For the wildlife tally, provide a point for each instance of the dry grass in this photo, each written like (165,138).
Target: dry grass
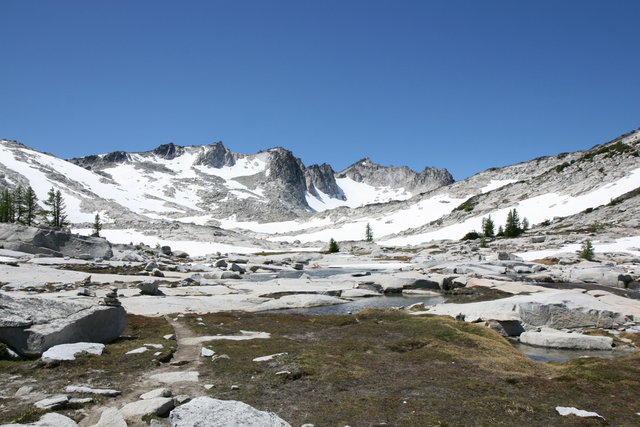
(384,366)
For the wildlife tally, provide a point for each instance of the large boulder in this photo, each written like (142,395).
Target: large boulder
(574,341)
(205,411)
(32,325)
(52,242)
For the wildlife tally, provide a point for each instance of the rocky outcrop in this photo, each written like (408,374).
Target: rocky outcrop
(207,411)
(322,178)
(99,161)
(52,242)
(168,151)
(397,177)
(32,325)
(216,156)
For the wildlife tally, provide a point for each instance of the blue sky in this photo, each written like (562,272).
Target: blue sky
(465,85)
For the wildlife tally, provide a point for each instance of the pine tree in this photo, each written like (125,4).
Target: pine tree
(500,231)
(525,224)
(368,233)
(97,226)
(512,227)
(55,215)
(17,200)
(488,227)
(587,251)
(333,246)
(6,206)
(30,206)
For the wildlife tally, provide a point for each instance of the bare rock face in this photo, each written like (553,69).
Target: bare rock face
(52,242)
(203,411)
(322,178)
(216,156)
(32,325)
(398,177)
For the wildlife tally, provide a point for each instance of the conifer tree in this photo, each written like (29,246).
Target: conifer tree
(512,227)
(333,246)
(587,251)
(55,215)
(525,224)
(97,226)
(368,233)
(6,206)
(30,201)
(488,227)
(17,200)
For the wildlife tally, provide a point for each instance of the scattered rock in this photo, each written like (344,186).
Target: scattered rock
(54,402)
(84,292)
(203,410)
(206,352)
(138,350)
(158,392)
(48,420)
(157,406)
(157,273)
(149,287)
(111,417)
(24,390)
(268,358)
(176,377)
(88,390)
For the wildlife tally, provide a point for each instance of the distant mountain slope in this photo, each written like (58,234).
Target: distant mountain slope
(540,189)
(204,184)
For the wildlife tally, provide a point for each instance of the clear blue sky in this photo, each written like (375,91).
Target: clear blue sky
(465,85)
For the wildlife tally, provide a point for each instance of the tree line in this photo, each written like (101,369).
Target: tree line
(21,206)
(513,227)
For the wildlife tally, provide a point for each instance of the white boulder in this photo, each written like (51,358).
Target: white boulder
(205,411)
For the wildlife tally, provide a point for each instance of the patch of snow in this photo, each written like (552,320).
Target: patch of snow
(566,410)
(269,357)
(495,184)
(629,245)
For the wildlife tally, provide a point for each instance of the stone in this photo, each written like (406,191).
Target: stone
(88,390)
(138,350)
(157,406)
(505,256)
(574,341)
(180,254)
(111,417)
(213,412)
(166,250)
(269,357)
(235,267)
(298,266)
(54,402)
(170,337)
(158,392)
(69,351)
(150,266)
(538,239)
(206,352)
(601,275)
(50,419)
(221,263)
(81,400)
(84,292)
(176,377)
(32,325)
(149,287)
(157,273)
(24,390)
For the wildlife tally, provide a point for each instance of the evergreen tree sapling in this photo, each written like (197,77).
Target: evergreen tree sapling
(333,246)
(97,226)
(368,233)
(587,251)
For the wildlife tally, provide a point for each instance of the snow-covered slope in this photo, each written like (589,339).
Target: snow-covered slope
(540,190)
(205,184)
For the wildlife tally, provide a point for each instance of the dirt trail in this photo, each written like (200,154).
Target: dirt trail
(186,358)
